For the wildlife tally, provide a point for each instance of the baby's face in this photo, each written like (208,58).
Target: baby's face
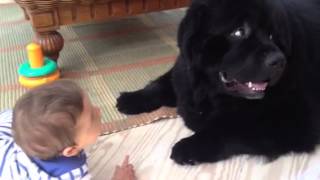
(89,124)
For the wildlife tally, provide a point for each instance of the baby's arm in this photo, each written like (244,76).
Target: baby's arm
(5,125)
(125,171)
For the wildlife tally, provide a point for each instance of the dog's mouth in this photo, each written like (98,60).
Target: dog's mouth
(249,90)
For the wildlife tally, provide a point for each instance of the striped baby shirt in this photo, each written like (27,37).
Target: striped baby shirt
(16,165)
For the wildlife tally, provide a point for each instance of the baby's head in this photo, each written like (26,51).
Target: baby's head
(55,119)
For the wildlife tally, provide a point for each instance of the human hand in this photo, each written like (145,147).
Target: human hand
(125,171)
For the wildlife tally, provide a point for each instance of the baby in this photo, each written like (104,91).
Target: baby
(45,134)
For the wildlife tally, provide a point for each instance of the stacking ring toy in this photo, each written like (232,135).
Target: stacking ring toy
(27,71)
(38,70)
(34,82)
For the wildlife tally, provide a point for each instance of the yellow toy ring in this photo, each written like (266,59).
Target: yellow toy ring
(34,82)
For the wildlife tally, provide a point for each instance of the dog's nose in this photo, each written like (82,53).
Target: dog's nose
(275,60)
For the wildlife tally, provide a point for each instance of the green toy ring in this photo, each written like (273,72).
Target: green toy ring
(49,67)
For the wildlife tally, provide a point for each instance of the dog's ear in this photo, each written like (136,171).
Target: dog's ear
(191,23)
(296,24)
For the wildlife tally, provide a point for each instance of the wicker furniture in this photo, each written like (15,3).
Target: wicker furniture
(47,16)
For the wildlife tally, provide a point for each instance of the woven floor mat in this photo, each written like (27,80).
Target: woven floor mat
(103,58)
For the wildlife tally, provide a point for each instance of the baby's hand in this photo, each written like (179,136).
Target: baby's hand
(125,171)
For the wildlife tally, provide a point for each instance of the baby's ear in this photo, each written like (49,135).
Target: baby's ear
(71,151)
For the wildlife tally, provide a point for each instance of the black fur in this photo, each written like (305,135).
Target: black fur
(284,119)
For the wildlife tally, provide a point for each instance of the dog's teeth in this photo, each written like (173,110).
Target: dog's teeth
(250,84)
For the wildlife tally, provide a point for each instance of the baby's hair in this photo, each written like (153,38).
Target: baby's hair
(44,118)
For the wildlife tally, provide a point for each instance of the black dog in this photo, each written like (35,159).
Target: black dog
(247,80)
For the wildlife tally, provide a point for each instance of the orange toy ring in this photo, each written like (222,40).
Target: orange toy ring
(34,82)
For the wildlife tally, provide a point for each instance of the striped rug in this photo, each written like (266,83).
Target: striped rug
(103,58)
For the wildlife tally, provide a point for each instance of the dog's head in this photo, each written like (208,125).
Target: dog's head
(240,46)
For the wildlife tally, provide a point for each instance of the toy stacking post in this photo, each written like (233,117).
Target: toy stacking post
(38,70)
(35,55)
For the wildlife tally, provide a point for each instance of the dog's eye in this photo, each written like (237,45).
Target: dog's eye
(271,37)
(241,32)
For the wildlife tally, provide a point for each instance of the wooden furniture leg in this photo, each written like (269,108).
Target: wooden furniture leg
(51,42)
(26,16)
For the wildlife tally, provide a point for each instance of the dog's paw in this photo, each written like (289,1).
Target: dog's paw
(129,103)
(184,152)
(135,102)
